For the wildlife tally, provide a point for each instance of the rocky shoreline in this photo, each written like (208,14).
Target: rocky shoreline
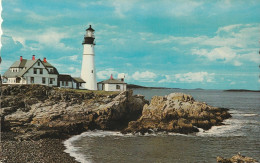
(42,117)
(238,158)
(32,151)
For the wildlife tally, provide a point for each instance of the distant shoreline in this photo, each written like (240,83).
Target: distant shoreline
(131,86)
(241,90)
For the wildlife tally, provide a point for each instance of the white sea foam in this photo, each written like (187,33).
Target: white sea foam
(74,151)
(241,113)
(249,115)
(231,127)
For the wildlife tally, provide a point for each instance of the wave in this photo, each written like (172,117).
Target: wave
(249,115)
(230,128)
(74,151)
(235,126)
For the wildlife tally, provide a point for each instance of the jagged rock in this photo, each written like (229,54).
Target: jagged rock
(54,112)
(177,112)
(236,159)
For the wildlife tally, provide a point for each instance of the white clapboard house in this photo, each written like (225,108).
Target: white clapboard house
(113,84)
(33,71)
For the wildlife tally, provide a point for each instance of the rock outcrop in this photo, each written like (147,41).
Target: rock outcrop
(236,159)
(179,113)
(36,111)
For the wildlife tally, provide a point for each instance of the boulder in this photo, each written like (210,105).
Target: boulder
(177,112)
(236,159)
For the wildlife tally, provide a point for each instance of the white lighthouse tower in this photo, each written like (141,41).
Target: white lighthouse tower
(88,72)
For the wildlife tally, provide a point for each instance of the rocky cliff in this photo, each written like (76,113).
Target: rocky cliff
(36,111)
(179,113)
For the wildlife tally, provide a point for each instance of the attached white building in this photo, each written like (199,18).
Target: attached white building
(66,81)
(112,84)
(33,71)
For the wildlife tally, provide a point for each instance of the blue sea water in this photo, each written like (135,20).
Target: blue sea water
(241,133)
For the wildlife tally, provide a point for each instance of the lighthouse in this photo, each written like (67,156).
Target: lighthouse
(88,72)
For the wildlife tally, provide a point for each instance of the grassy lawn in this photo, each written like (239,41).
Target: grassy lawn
(89,91)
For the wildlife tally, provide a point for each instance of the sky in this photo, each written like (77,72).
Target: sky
(164,43)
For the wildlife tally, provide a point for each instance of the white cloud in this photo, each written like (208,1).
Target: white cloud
(189,77)
(105,74)
(5,64)
(228,28)
(233,44)
(178,8)
(121,7)
(74,57)
(223,53)
(129,64)
(17,10)
(237,63)
(145,76)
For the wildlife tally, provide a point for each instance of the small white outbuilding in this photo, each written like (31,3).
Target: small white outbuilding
(113,84)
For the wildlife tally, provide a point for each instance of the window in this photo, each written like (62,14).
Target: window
(18,80)
(41,71)
(92,71)
(80,84)
(51,70)
(62,83)
(43,80)
(32,79)
(117,86)
(38,63)
(35,71)
(67,83)
(51,80)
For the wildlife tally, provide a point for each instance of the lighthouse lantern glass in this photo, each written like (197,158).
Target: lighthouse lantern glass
(90,33)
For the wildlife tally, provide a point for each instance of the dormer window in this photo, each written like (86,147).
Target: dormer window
(38,63)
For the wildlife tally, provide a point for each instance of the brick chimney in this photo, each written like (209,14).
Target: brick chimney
(44,60)
(111,77)
(33,57)
(21,58)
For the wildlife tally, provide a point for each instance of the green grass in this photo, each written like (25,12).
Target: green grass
(89,91)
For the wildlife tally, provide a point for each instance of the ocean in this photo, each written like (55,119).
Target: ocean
(241,133)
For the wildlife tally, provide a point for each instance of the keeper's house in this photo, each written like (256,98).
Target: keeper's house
(33,71)
(113,84)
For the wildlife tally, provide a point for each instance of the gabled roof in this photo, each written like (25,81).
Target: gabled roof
(78,80)
(64,77)
(26,65)
(112,81)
